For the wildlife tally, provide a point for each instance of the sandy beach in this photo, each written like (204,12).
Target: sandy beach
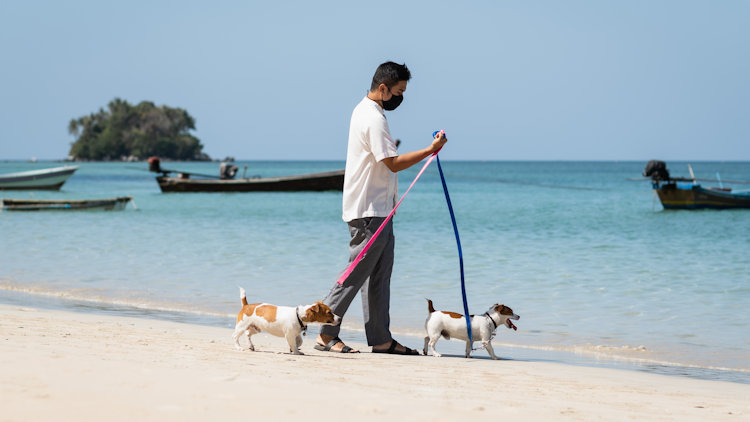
(74,366)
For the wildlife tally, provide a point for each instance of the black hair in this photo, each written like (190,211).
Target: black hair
(390,73)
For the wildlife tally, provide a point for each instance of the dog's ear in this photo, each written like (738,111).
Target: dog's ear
(504,310)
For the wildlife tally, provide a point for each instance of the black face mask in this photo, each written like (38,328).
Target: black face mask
(393,102)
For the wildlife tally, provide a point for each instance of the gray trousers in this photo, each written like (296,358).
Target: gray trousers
(372,276)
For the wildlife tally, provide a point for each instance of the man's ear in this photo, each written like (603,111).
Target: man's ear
(383,89)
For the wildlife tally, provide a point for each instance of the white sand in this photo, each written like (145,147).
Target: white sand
(77,367)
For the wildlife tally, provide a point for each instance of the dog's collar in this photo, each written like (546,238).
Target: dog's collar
(487,314)
(301,324)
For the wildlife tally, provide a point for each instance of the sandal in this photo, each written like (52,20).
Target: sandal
(392,350)
(333,342)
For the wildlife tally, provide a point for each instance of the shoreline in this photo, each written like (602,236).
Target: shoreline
(70,365)
(352,332)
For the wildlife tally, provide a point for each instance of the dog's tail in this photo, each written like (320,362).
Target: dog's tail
(430,309)
(243,297)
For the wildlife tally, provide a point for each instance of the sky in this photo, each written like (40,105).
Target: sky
(277,80)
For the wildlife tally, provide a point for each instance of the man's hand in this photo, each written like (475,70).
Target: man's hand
(439,141)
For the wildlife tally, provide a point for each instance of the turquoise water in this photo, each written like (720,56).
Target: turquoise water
(599,273)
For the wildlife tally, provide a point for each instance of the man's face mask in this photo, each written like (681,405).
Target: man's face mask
(393,102)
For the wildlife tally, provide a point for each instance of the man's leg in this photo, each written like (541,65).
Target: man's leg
(376,301)
(341,296)
(376,295)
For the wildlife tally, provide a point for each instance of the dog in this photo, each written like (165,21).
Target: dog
(451,324)
(280,321)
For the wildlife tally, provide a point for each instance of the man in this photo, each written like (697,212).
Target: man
(370,193)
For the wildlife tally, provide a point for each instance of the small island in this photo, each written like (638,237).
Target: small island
(124,132)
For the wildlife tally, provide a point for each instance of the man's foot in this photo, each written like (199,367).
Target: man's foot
(332,344)
(394,348)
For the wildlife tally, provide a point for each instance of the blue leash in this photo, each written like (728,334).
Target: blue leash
(458,243)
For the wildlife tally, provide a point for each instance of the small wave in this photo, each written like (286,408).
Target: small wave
(633,354)
(147,309)
(102,302)
(639,355)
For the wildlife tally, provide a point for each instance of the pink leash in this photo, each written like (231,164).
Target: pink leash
(354,263)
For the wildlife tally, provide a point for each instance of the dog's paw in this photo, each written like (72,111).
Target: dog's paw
(436,354)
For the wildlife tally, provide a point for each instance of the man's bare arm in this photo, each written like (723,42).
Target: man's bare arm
(404,161)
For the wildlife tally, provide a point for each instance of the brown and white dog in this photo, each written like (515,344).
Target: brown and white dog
(452,325)
(280,321)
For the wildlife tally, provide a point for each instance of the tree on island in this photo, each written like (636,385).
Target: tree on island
(140,131)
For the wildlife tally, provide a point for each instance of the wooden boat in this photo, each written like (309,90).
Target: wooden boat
(694,196)
(45,179)
(331,180)
(686,193)
(225,181)
(107,204)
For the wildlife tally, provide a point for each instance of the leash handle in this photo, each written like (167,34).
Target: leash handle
(460,252)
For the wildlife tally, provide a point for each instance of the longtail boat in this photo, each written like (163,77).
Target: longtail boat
(225,181)
(687,193)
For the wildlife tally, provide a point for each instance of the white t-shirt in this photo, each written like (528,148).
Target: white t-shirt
(370,187)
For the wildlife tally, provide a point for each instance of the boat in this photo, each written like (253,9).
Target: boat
(44,179)
(225,182)
(687,193)
(107,204)
(331,180)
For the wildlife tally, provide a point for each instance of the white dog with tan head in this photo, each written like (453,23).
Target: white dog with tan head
(281,321)
(453,325)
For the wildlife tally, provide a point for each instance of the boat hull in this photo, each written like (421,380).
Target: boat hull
(47,179)
(697,197)
(326,181)
(107,204)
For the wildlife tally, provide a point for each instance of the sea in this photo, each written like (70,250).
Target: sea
(599,273)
